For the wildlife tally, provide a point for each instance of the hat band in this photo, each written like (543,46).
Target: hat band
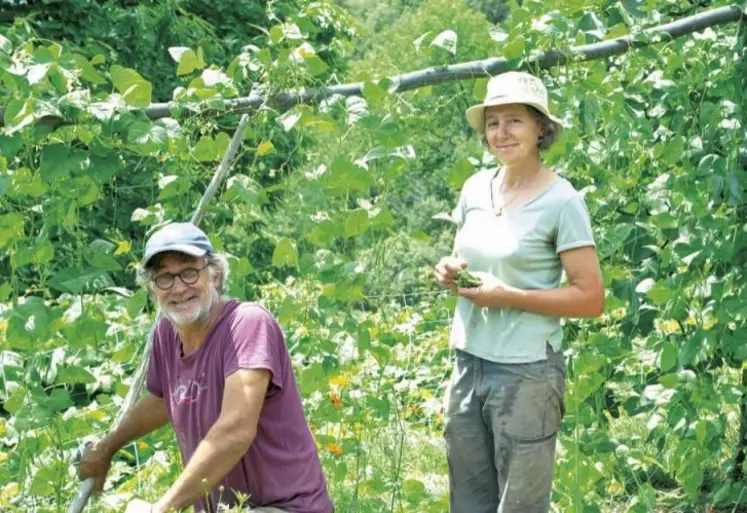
(524,99)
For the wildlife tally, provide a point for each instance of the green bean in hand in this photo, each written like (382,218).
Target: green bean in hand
(465,279)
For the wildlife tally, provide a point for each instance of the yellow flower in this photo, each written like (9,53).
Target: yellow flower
(340,380)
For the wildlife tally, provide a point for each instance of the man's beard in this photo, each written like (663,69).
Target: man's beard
(193,316)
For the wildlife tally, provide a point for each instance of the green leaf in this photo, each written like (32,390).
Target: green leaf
(660,293)
(103,169)
(28,324)
(276,34)
(613,238)
(669,380)
(87,71)
(59,160)
(187,58)
(76,281)
(173,186)
(5,183)
(668,356)
(135,90)
(5,45)
(5,290)
(324,233)
(514,49)
(72,374)
(345,176)
(87,191)
(42,483)
(383,219)
(205,149)
(356,222)
(148,137)
(99,254)
(15,402)
(11,228)
(374,93)
(285,254)
(701,430)
(137,302)
(18,114)
(459,173)
(315,65)
(480,89)
(222,141)
(43,252)
(265,148)
(10,146)
(243,188)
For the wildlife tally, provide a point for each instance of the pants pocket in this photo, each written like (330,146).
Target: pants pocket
(529,481)
(530,408)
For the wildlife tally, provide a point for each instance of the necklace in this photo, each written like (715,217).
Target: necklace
(501,209)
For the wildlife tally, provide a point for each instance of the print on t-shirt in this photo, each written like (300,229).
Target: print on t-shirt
(189,392)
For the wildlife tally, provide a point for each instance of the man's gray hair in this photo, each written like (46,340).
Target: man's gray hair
(217,262)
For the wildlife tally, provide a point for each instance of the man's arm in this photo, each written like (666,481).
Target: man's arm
(147,415)
(226,442)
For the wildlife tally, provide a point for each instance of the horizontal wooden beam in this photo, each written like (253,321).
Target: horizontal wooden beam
(467,70)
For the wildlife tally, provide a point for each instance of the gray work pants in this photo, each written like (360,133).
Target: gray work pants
(501,427)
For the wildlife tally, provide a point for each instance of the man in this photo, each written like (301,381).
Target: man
(221,374)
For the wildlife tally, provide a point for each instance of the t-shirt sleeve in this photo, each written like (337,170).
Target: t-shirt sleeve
(256,342)
(459,212)
(153,378)
(574,226)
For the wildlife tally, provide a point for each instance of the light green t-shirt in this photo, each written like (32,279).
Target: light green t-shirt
(521,248)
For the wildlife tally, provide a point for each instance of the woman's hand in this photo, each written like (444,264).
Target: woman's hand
(446,270)
(491,293)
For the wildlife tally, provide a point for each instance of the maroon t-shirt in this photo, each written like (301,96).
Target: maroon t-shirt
(281,468)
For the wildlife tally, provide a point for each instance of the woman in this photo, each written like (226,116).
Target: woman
(520,227)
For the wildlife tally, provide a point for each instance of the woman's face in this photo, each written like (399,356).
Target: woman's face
(512,133)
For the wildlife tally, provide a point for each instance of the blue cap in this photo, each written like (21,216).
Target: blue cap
(181,237)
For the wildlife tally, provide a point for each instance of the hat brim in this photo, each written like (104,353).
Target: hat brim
(181,248)
(476,113)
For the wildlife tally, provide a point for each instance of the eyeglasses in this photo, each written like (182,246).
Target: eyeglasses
(189,276)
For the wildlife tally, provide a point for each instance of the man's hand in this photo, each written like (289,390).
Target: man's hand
(491,293)
(446,271)
(95,463)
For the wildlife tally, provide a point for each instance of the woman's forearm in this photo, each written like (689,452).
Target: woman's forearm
(571,301)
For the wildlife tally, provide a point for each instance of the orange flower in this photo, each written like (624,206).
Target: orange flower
(336,401)
(334,449)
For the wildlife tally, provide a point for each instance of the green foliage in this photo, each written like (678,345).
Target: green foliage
(334,216)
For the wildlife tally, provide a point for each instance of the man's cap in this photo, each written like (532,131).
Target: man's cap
(512,87)
(182,237)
